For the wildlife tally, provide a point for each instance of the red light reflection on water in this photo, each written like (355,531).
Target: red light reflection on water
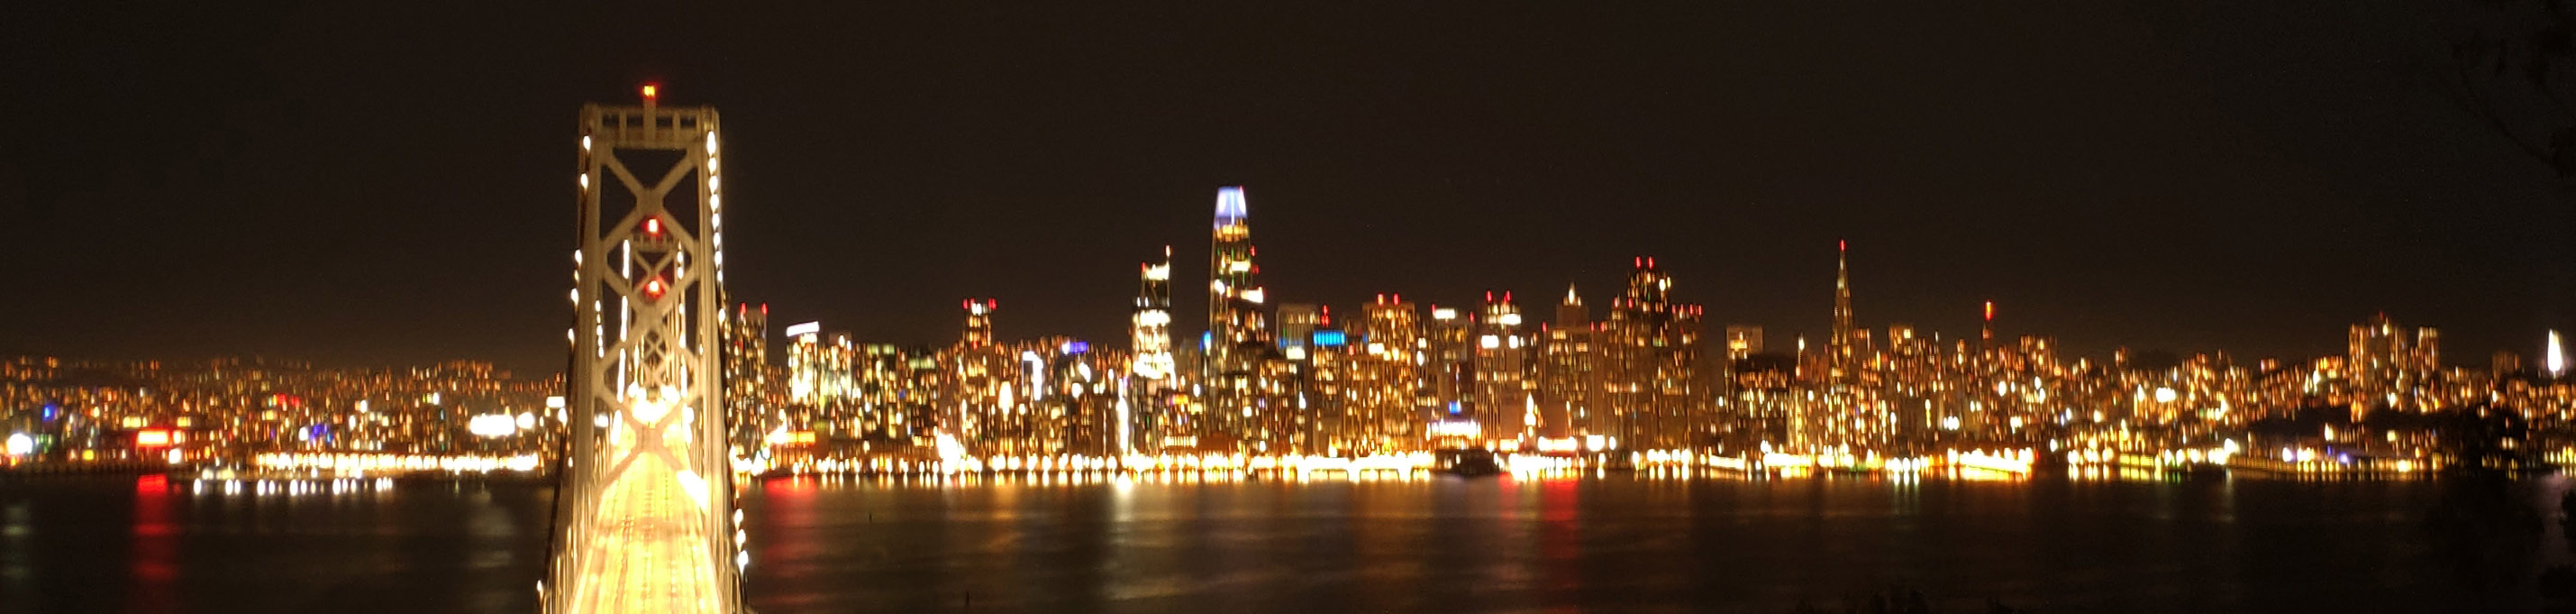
(156,547)
(787,509)
(1560,540)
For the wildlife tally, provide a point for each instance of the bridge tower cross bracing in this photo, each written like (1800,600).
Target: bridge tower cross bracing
(645,517)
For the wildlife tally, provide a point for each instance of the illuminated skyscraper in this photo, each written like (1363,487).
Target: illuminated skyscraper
(1451,367)
(1152,374)
(1327,373)
(1238,336)
(1235,298)
(1569,372)
(2378,364)
(1504,402)
(977,393)
(1150,329)
(1652,356)
(1839,346)
(748,381)
(979,322)
(1385,388)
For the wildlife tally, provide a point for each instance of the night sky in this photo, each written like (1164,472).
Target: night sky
(356,187)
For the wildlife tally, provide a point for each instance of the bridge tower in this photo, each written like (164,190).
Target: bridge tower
(645,517)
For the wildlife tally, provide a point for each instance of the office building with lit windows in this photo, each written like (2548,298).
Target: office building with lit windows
(1153,374)
(1450,370)
(1652,356)
(1569,372)
(1506,407)
(1297,322)
(752,389)
(1384,399)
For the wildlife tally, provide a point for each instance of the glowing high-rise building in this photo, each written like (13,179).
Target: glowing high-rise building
(1651,358)
(1505,405)
(1150,329)
(1844,357)
(1238,335)
(2387,372)
(1450,372)
(1385,385)
(1236,304)
(979,322)
(750,388)
(1152,374)
(1569,372)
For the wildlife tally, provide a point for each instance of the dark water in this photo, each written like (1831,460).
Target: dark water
(1445,545)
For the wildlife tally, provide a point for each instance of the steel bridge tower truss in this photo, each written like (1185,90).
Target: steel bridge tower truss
(646,519)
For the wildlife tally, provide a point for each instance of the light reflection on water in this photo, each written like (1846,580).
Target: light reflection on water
(1676,542)
(164,544)
(1105,543)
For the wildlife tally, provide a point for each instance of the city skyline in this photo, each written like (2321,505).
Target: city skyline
(2185,200)
(982,314)
(2164,306)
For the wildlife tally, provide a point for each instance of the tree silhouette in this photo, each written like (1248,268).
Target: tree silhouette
(2517,72)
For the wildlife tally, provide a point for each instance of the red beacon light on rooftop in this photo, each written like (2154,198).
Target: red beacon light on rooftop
(652,92)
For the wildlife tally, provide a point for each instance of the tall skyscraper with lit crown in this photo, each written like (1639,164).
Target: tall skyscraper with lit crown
(1238,338)
(1840,347)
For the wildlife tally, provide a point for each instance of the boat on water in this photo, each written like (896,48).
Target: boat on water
(1470,462)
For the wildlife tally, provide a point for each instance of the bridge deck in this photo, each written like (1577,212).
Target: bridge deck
(648,549)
